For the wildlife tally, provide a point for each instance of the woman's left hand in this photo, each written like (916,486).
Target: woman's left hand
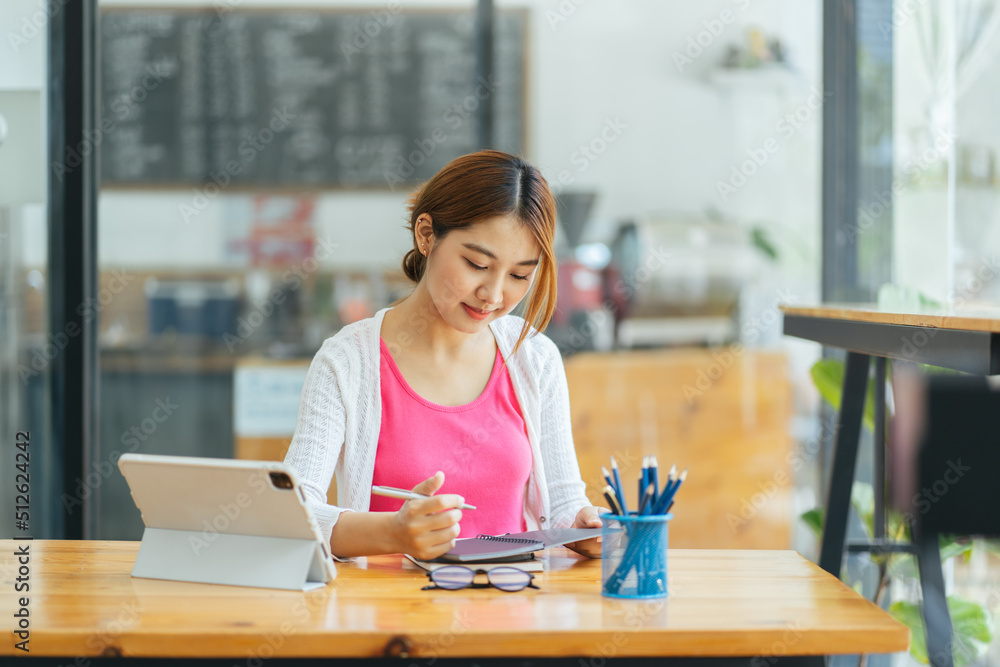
(588,518)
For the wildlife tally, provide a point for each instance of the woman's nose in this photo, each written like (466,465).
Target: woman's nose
(491,292)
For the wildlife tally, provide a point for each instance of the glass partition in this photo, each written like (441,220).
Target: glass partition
(27,346)
(948,68)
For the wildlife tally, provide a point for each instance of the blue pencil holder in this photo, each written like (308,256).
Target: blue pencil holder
(634,555)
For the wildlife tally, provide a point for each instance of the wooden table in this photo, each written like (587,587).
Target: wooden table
(964,339)
(735,605)
(961,339)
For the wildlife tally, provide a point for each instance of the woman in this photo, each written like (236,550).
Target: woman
(445,392)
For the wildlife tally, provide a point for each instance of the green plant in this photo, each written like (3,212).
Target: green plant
(972,623)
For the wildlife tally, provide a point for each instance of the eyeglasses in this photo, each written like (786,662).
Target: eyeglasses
(454,577)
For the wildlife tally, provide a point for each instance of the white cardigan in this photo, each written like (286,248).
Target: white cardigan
(340,414)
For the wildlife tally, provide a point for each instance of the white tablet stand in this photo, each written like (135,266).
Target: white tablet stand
(222,521)
(240,560)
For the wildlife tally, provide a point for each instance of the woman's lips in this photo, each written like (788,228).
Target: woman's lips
(476,314)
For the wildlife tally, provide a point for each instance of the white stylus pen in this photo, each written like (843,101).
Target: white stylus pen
(392,492)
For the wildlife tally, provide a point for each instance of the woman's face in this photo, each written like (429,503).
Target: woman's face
(478,274)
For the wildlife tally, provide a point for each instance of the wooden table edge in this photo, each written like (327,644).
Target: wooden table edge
(949,320)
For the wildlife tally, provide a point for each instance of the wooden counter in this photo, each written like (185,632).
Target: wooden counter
(84,602)
(723,413)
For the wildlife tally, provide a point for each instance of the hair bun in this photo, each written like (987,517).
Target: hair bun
(413,265)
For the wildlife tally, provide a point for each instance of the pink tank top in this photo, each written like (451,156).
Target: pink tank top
(482,447)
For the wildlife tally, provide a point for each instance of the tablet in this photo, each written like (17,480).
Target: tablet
(225,521)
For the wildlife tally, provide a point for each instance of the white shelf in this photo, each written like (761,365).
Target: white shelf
(770,78)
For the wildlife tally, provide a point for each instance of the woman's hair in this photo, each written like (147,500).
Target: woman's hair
(487,184)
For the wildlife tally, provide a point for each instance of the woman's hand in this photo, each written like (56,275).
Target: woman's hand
(427,528)
(588,518)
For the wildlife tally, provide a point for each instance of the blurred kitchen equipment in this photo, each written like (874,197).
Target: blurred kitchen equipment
(193,307)
(580,321)
(677,280)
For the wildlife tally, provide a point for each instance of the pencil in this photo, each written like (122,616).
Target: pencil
(643,479)
(607,477)
(406,494)
(671,478)
(654,477)
(609,495)
(618,486)
(668,498)
(646,500)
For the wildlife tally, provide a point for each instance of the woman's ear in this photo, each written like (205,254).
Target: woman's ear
(424,232)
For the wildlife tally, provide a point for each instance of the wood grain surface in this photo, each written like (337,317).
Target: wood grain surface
(84,602)
(981,318)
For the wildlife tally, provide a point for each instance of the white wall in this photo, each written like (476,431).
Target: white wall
(606,60)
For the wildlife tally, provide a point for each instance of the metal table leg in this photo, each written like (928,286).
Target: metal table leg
(937,620)
(845,455)
(878,447)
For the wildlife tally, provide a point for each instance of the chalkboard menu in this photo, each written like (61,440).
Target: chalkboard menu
(299,98)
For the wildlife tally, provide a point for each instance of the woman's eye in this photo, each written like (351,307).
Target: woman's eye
(483,268)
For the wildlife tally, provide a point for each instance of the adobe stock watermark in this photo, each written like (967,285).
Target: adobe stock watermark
(928,495)
(305,607)
(461,622)
(626,459)
(122,105)
(419,320)
(792,635)
(902,12)
(588,152)
(248,150)
(624,288)
(637,616)
(908,174)
(785,128)
(258,481)
(462,454)
(921,503)
(961,650)
(911,345)
(454,118)
(293,278)
(36,24)
(713,29)
(88,310)
(103,642)
(223,7)
(165,408)
(798,458)
(565,9)
(372,28)
(723,360)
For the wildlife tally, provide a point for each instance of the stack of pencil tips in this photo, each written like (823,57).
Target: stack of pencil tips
(650,499)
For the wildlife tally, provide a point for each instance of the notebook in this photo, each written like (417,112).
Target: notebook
(493,547)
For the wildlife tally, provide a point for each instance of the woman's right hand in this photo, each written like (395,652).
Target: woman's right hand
(427,528)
